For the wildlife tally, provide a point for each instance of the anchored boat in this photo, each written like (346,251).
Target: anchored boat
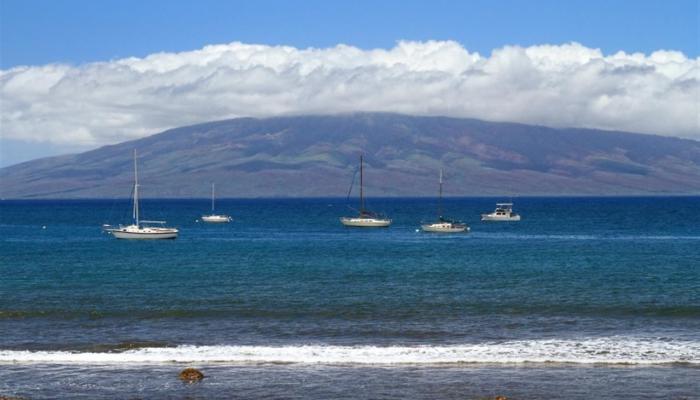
(215,218)
(140,229)
(444,225)
(366,218)
(503,212)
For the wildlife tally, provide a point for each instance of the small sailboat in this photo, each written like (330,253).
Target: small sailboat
(366,218)
(215,218)
(140,229)
(503,212)
(444,225)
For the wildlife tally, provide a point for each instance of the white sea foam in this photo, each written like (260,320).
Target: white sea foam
(612,350)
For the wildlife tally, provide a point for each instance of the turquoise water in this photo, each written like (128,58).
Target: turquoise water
(286,290)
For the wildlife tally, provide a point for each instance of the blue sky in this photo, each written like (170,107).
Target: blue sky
(38,33)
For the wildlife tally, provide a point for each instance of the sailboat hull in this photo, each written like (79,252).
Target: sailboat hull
(444,228)
(216,219)
(144,233)
(365,222)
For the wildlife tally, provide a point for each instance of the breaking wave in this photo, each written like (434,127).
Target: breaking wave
(613,350)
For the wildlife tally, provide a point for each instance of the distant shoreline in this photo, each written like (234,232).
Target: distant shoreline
(447,197)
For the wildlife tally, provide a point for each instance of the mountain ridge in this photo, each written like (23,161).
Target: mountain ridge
(315,156)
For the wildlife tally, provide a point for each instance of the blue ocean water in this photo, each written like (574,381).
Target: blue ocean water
(582,295)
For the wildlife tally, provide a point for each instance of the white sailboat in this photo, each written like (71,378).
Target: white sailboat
(366,218)
(215,218)
(444,225)
(503,212)
(140,229)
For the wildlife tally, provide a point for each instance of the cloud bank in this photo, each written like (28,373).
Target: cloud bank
(555,85)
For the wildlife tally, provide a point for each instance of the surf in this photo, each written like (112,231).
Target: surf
(628,351)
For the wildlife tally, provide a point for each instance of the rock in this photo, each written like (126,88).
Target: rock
(501,398)
(191,375)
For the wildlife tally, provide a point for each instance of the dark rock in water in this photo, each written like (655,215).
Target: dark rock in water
(501,398)
(11,398)
(189,375)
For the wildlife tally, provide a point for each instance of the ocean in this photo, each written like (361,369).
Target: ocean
(584,298)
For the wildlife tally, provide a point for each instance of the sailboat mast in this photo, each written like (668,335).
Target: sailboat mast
(362,197)
(136,191)
(212,197)
(440,198)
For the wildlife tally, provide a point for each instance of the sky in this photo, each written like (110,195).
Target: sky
(76,75)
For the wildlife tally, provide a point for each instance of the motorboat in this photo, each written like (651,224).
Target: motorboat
(503,212)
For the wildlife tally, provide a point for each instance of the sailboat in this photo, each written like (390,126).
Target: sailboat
(444,225)
(215,218)
(366,218)
(140,229)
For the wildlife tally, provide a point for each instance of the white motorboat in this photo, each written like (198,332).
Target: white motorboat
(503,212)
(140,229)
(366,218)
(215,218)
(444,225)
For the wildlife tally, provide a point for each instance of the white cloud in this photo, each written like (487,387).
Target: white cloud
(556,85)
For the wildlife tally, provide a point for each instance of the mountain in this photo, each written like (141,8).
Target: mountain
(317,156)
